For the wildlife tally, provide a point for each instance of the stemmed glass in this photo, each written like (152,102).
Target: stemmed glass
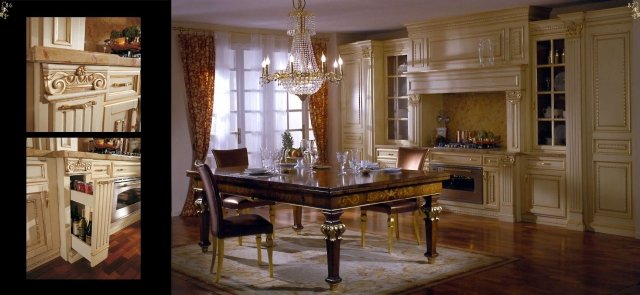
(265,155)
(276,156)
(342,159)
(313,153)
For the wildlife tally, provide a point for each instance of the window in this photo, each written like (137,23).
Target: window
(247,114)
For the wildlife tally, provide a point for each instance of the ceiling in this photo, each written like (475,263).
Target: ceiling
(342,16)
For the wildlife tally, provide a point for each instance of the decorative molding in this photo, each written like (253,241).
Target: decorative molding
(414,99)
(4,9)
(635,9)
(78,166)
(574,29)
(513,96)
(390,194)
(58,82)
(333,232)
(435,211)
(367,52)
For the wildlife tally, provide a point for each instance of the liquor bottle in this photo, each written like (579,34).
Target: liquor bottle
(82,226)
(556,58)
(88,231)
(75,222)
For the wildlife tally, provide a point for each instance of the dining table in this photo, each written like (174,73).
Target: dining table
(332,192)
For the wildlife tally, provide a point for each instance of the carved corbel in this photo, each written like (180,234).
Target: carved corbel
(435,211)
(514,96)
(574,30)
(333,232)
(58,82)
(414,99)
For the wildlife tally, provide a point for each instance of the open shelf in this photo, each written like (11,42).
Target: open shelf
(82,198)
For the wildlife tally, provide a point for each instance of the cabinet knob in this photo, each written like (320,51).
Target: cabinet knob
(544,164)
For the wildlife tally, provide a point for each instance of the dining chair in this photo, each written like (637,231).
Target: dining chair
(408,159)
(241,204)
(234,226)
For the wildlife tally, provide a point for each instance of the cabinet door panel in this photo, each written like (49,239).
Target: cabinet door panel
(79,115)
(546,193)
(120,116)
(38,237)
(492,187)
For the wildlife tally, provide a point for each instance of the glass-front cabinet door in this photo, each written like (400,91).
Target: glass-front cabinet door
(397,99)
(550,119)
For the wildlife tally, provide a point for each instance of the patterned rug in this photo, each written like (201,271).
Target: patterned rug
(300,265)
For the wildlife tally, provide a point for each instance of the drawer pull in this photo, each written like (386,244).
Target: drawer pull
(121,84)
(390,154)
(544,164)
(100,170)
(121,169)
(470,159)
(81,106)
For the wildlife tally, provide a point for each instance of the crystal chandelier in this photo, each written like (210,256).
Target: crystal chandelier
(635,9)
(302,76)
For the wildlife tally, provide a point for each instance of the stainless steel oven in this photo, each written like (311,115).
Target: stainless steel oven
(126,197)
(464,183)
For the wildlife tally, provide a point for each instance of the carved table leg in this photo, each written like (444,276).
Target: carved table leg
(431,211)
(333,228)
(203,210)
(297,219)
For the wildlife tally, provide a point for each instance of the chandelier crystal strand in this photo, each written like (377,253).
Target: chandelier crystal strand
(302,76)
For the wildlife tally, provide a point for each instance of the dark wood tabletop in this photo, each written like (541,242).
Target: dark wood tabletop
(326,189)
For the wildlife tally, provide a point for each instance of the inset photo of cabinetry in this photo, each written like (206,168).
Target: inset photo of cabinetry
(83,208)
(83,74)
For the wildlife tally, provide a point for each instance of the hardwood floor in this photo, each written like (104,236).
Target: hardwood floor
(123,261)
(551,260)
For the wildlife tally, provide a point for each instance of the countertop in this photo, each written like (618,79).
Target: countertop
(83,155)
(70,56)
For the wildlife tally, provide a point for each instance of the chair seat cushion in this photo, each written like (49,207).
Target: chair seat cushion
(393,207)
(244,225)
(239,202)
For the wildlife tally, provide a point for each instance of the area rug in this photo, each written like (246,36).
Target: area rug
(300,265)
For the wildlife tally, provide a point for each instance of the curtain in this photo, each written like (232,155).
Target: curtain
(198,62)
(318,107)
(241,102)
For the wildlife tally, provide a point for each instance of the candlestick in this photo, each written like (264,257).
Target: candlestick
(340,63)
(323,59)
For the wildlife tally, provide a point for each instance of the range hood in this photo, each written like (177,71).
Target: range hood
(495,78)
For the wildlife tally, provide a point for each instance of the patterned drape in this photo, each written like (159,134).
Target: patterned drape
(198,62)
(318,106)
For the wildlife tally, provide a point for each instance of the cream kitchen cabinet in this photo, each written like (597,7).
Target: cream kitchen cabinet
(43,241)
(125,169)
(82,98)
(360,87)
(452,43)
(386,157)
(544,193)
(58,32)
(120,116)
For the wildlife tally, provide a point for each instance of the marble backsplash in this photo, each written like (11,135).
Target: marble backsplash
(98,29)
(476,111)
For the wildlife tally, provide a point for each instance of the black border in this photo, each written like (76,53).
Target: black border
(156,176)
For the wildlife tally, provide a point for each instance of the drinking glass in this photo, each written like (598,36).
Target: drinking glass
(265,155)
(305,146)
(313,153)
(354,161)
(276,155)
(342,159)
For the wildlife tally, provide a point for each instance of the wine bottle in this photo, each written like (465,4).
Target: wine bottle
(82,226)
(74,222)
(88,231)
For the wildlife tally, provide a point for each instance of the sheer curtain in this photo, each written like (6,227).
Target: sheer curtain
(241,103)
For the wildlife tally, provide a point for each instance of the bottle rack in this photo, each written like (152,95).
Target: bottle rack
(101,203)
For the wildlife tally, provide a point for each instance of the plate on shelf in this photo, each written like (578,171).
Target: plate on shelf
(559,82)
(287,164)
(321,166)
(391,169)
(256,171)
(560,135)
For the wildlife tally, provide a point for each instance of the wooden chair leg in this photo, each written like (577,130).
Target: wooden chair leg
(363,226)
(416,227)
(214,248)
(272,217)
(259,247)
(220,258)
(390,225)
(270,253)
(397,219)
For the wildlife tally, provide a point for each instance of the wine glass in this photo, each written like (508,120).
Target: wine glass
(306,145)
(342,159)
(313,153)
(265,155)
(276,155)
